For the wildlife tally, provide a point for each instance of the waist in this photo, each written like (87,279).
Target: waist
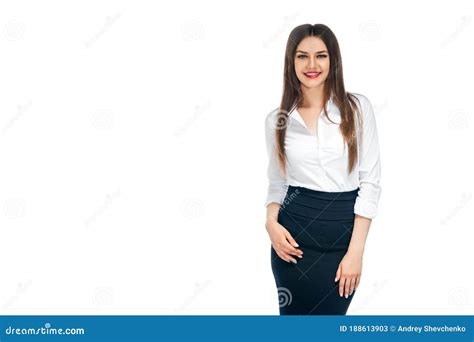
(324,195)
(327,205)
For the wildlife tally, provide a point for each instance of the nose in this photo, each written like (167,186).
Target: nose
(312,62)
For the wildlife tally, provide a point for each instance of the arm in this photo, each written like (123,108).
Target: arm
(272,212)
(282,241)
(277,184)
(366,205)
(359,236)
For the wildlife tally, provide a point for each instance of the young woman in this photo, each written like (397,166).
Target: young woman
(324,178)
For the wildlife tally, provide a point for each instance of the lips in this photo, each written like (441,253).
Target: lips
(312,74)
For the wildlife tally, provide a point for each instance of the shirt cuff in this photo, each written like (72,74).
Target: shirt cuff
(365,208)
(276,195)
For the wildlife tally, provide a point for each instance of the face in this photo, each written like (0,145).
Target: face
(311,62)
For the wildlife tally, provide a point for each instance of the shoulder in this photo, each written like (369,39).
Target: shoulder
(363,100)
(365,105)
(271,116)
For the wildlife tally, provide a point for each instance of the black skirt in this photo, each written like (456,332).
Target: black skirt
(321,223)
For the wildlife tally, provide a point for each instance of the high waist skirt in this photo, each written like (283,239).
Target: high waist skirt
(321,223)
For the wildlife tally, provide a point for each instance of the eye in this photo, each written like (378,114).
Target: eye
(304,56)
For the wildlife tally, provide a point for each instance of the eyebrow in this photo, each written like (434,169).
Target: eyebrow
(307,53)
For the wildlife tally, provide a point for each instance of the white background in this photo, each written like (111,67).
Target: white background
(133,161)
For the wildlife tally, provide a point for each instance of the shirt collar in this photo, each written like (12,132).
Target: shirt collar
(333,113)
(332,107)
(333,110)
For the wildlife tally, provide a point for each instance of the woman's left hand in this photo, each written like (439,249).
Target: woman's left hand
(349,272)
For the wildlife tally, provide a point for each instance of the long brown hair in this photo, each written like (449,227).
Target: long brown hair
(333,87)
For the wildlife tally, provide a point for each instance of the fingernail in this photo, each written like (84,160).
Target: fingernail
(347,295)
(335,279)
(340,294)
(296,245)
(294,261)
(300,256)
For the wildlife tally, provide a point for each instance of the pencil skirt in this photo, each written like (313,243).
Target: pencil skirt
(321,223)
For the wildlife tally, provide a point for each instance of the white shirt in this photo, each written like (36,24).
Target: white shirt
(320,162)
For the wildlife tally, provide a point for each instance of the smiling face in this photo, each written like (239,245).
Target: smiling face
(311,62)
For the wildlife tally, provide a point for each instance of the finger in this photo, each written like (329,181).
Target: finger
(290,239)
(341,285)
(353,281)
(283,255)
(347,287)
(295,252)
(286,257)
(338,273)
(290,249)
(357,282)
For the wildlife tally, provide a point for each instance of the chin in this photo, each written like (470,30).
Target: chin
(311,84)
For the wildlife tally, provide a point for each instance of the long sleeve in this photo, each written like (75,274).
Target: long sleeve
(369,165)
(277,184)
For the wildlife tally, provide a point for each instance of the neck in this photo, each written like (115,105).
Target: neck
(312,97)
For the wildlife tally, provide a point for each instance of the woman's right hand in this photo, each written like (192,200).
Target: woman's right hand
(282,241)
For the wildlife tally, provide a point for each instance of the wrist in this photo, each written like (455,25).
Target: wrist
(356,252)
(270,220)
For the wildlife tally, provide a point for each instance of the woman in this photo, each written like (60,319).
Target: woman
(324,178)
